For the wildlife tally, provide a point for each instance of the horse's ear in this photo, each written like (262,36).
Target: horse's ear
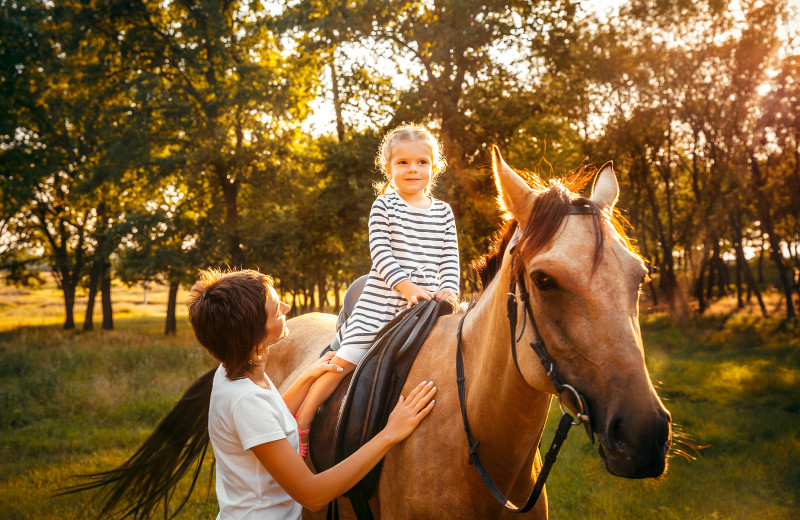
(606,189)
(514,194)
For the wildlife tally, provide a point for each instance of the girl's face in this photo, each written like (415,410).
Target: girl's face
(409,167)
(276,317)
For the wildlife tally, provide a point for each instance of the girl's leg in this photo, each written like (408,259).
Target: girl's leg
(320,391)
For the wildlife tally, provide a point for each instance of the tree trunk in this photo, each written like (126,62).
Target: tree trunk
(774,240)
(105,287)
(722,272)
(651,274)
(94,282)
(230,193)
(738,283)
(171,326)
(311,298)
(751,282)
(698,285)
(745,267)
(322,296)
(337,103)
(68,289)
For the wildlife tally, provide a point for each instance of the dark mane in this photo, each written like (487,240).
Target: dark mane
(553,203)
(488,265)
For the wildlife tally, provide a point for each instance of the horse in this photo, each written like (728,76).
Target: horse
(585,281)
(564,263)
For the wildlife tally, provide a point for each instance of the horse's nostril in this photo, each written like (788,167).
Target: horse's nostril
(615,433)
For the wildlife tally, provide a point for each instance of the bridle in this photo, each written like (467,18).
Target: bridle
(540,349)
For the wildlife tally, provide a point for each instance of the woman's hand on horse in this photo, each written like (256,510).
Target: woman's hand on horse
(323,366)
(409,411)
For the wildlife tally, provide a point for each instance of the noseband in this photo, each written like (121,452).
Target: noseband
(540,349)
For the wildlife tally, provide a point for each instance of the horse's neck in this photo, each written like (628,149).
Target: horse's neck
(506,414)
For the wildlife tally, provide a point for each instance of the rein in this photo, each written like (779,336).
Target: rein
(540,349)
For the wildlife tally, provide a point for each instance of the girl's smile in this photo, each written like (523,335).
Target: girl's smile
(409,169)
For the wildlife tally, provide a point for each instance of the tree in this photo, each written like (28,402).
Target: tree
(231,90)
(692,73)
(453,55)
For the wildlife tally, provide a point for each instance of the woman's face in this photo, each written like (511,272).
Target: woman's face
(276,317)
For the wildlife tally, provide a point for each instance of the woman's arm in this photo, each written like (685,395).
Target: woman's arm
(314,491)
(296,394)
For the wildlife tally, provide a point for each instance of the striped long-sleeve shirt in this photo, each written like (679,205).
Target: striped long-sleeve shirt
(405,243)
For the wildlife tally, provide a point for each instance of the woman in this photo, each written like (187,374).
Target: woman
(236,315)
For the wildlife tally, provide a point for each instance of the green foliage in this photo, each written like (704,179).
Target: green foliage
(159,138)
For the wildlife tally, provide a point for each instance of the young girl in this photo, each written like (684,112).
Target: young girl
(259,473)
(414,249)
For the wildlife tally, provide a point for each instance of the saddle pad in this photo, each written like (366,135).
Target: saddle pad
(351,296)
(360,406)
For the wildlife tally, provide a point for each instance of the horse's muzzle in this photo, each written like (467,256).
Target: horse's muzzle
(633,448)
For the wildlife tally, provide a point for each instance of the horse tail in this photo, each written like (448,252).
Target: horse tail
(149,476)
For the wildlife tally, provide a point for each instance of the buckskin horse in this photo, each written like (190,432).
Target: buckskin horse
(564,266)
(572,257)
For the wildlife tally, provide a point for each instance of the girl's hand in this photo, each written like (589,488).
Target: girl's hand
(448,295)
(409,411)
(413,292)
(322,366)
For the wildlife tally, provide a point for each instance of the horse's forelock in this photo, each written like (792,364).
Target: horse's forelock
(552,205)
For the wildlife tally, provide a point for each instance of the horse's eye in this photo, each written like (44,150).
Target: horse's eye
(543,282)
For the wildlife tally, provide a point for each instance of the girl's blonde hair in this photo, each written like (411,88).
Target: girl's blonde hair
(409,134)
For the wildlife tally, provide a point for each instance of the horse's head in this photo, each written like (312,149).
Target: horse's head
(584,282)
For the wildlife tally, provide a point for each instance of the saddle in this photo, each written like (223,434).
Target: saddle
(359,408)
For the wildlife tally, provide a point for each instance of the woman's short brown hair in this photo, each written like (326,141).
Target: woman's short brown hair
(228,315)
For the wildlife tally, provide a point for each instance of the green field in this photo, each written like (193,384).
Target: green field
(74,403)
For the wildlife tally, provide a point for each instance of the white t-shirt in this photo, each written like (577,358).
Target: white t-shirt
(242,415)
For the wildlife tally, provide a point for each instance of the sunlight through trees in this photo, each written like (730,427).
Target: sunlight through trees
(141,141)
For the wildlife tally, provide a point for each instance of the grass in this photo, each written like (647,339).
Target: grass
(74,403)
(732,384)
(25,307)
